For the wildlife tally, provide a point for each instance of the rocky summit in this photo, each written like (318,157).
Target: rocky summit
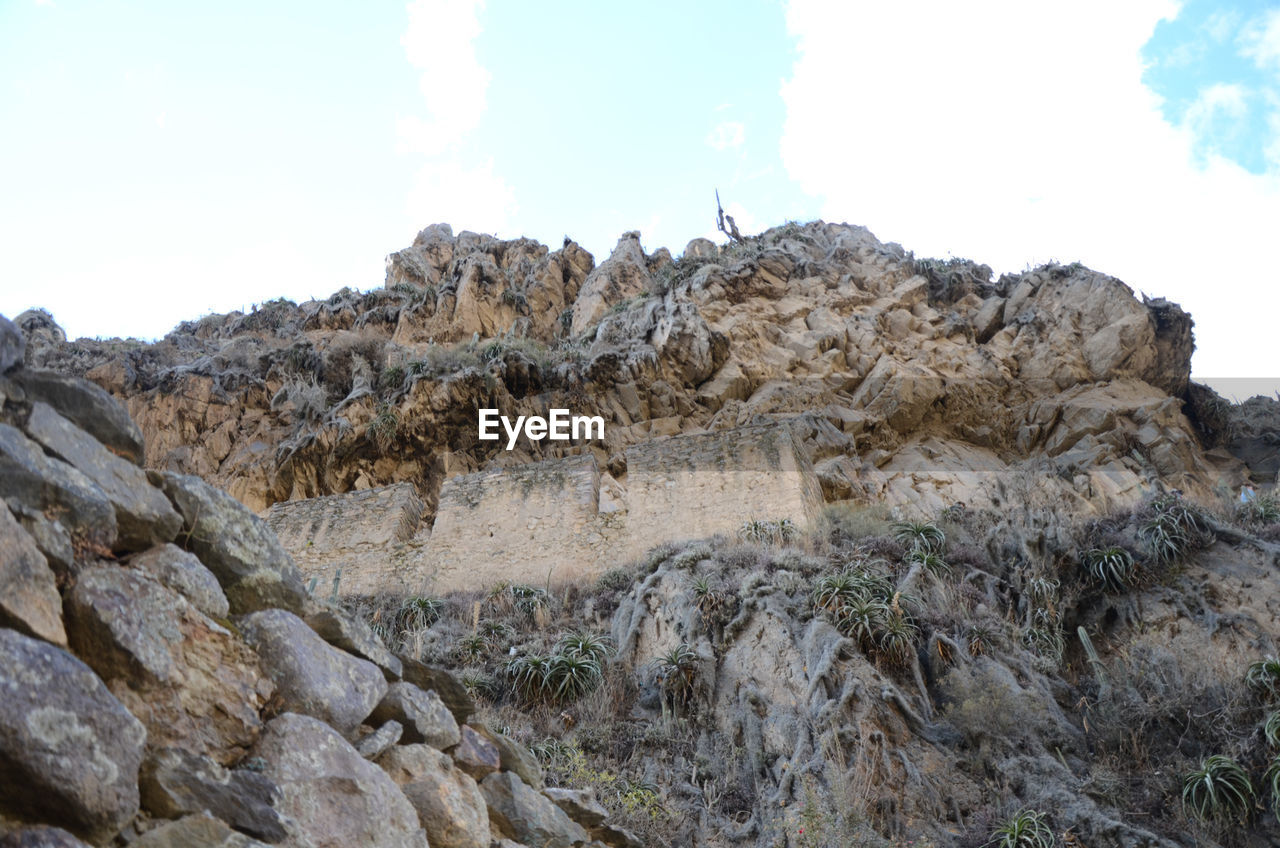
(871,550)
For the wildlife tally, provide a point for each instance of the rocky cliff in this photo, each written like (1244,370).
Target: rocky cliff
(1033,612)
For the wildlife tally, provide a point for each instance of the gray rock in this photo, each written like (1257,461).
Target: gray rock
(520,813)
(13,346)
(51,538)
(313,677)
(237,546)
(195,831)
(449,804)
(423,714)
(40,836)
(443,683)
(29,599)
(372,745)
(30,480)
(174,783)
(191,681)
(88,406)
(144,516)
(69,751)
(329,794)
(183,572)
(579,804)
(616,837)
(343,630)
(515,757)
(476,755)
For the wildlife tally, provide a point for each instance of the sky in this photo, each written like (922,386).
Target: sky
(160,161)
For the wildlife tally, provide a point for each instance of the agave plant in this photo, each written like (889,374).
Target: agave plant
(417,613)
(1111,567)
(1272,781)
(677,672)
(529,674)
(1264,676)
(494,630)
(570,676)
(472,648)
(931,561)
(1262,509)
(706,597)
(1025,829)
(529,599)
(755,531)
(1217,790)
(979,639)
(920,534)
(862,619)
(1271,730)
(835,591)
(1043,590)
(897,640)
(588,645)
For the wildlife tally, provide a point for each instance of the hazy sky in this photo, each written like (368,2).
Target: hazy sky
(162,160)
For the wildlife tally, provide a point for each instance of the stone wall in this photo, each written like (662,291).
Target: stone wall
(554,521)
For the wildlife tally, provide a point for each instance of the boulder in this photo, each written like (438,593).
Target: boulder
(449,804)
(443,683)
(13,345)
(200,830)
(372,744)
(89,407)
(579,804)
(237,546)
(69,751)
(29,599)
(191,681)
(311,676)
(514,757)
(623,275)
(331,796)
(175,783)
(183,572)
(520,813)
(51,538)
(40,836)
(424,716)
(343,630)
(144,516)
(32,481)
(475,754)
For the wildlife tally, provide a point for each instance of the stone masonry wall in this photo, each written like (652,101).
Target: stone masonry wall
(546,522)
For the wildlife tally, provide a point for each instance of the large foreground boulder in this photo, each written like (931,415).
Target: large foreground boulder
(424,716)
(88,406)
(191,681)
(237,546)
(69,751)
(331,796)
(520,813)
(449,803)
(175,783)
(144,516)
(313,677)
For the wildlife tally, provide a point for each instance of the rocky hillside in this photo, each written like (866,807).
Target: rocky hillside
(168,682)
(1034,613)
(898,368)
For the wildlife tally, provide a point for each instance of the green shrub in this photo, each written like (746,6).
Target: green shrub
(1262,509)
(419,612)
(384,426)
(677,674)
(1026,829)
(1217,790)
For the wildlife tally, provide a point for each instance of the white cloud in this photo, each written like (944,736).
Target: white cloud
(1260,40)
(450,187)
(1014,133)
(726,135)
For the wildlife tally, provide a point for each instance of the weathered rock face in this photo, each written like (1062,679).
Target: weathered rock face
(520,813)
(69,751)
(331,796)
(188,679)
(423,715)
(144,516)
(183,572)
(237,546)
(29,599)
(88,407)
(13,345)
(899,368)
(176,783)
(200,830)
(448,801)
(311,676)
